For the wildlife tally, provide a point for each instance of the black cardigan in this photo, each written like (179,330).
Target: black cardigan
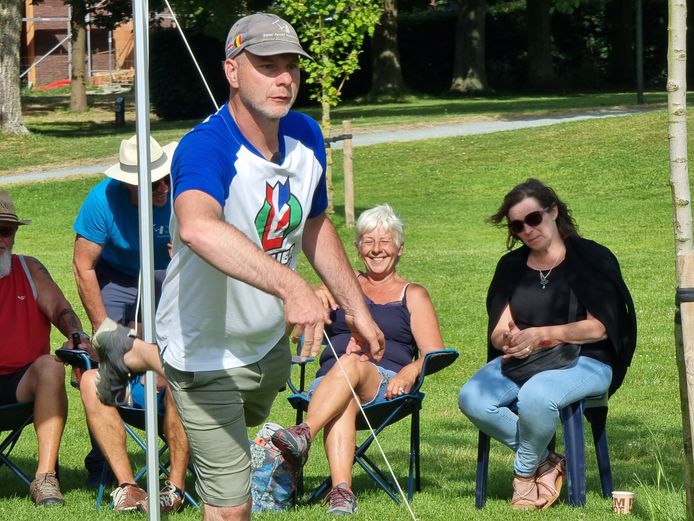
(595,278)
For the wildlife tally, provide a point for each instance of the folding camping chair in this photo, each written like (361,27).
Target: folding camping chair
(595,411)
(13,418)
(380,416)
(133,418)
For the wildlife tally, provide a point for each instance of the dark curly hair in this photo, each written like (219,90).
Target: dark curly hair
(547,198)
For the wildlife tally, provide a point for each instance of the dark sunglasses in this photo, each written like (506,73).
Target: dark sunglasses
(7,231)
(166,180)
(532,219)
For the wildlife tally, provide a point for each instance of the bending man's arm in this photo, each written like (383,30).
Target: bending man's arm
(324,250)
(84,258)
(223,246)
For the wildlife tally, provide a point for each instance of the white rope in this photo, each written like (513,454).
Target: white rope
(190,51)
(373,433)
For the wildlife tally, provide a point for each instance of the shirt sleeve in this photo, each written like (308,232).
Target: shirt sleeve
(93,219)
(200,163)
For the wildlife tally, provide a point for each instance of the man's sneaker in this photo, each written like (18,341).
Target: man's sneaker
(45,490)
(170,498)
(128,497)
(341,501)
(294,443)
(111,342)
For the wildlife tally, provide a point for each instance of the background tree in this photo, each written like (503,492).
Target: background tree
(332,32)
(539,44)
(10,99)
(106,14)
(469,69)
(386,71)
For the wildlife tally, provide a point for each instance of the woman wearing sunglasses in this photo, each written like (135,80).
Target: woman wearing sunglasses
(561,328)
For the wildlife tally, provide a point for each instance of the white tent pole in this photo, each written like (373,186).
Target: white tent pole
(141,30)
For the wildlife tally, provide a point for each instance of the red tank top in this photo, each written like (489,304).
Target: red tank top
(25,329)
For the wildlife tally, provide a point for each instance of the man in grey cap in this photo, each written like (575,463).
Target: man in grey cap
(249,195)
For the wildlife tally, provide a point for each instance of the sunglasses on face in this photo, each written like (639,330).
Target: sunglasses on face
(532,219)
(7,231)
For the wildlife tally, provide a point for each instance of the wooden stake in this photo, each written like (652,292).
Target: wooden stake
(349,177)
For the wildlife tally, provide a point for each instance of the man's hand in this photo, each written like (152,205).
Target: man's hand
(367,339)
(305,312)
(84,343)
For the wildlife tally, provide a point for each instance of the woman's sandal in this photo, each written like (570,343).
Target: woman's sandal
(550,478)
(525,494)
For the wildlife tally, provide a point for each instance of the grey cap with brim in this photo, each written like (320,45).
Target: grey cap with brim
(263,34)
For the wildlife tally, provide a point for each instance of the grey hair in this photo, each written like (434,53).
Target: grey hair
(380,216)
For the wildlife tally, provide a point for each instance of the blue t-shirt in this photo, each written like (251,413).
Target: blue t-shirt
(110,219)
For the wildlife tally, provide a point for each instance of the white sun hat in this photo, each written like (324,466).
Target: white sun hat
(126,169)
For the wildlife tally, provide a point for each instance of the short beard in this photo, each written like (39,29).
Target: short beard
(5,263)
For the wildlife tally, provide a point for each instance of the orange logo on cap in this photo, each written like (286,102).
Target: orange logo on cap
(238,40)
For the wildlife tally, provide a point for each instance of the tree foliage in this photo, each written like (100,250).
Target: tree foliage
(333,33)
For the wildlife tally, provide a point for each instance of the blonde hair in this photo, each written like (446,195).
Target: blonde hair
(380,216)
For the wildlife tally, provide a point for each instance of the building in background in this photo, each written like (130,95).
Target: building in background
(46,48)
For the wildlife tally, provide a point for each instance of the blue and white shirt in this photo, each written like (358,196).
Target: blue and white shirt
(205,320)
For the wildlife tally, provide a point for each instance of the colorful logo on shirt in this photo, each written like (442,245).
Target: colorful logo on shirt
(280,215)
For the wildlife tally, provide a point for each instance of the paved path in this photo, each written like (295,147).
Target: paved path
(376,137)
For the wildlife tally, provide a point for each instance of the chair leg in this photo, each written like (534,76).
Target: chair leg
(597,416)
(414,480)
(574,445)
(482,470)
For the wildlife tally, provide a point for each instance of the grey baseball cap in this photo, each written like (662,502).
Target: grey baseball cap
(263,34)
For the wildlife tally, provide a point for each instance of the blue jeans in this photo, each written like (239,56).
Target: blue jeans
(486,398)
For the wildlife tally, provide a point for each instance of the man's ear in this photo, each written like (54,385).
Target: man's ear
(231,68)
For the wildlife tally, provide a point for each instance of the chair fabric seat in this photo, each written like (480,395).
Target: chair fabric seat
(13,419)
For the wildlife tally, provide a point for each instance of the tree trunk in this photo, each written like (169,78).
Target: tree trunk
(386,79)
(619,19)
(10,95)
(325,124)
(469,70)
(539,38)
(78,87)
(682,216)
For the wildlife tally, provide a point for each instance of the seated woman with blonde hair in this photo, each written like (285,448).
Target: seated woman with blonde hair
(405,314)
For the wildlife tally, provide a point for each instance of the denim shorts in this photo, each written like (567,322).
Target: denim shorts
(386,376)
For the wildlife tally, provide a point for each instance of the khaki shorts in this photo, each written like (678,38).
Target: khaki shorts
(215,408)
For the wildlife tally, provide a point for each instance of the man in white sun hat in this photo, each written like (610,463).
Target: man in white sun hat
(30,301)
(106,264)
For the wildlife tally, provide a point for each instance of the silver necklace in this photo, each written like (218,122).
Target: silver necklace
(544,277)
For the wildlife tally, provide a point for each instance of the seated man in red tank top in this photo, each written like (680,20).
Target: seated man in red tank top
(30,301)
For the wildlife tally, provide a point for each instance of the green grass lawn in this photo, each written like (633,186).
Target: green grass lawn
(62,138)
(614,175)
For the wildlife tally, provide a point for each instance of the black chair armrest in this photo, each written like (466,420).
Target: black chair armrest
(77,358)
(434,361)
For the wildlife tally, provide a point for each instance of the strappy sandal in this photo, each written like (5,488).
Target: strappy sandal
(526,498)
(550,492)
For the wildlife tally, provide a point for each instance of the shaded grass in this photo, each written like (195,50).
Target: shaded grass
(612,173)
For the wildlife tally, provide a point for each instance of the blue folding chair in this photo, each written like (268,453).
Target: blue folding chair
(381,415)
(595,411)
(13,418)
(132,418)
